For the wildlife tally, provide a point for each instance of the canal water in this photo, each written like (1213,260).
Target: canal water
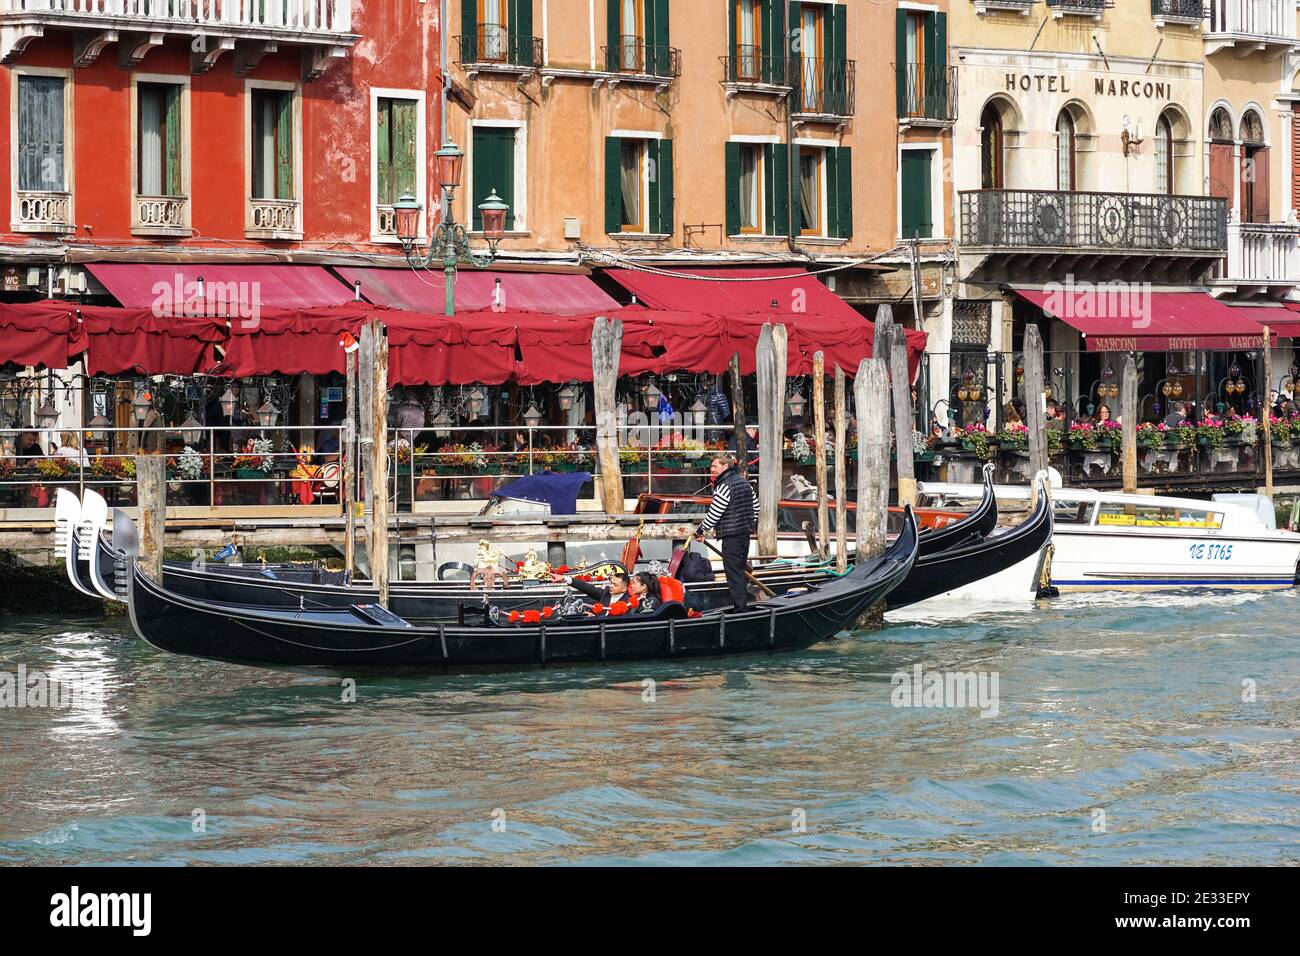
(1127,731)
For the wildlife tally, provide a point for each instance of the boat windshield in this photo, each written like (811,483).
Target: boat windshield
(1072,512)
(1158,515)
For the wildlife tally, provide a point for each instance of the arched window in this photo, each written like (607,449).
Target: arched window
(992,170)
(1222,148)
(1254,169)
(1252,128)
(1221,126)
(1065,151)
(1164,156)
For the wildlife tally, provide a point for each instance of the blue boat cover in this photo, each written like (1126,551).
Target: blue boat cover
(560,491)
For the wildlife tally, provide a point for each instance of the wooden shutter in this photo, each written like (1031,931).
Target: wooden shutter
(520,27)
(656,36)
(731,167)
(41,134)
(839,181)
(284,147)
(1259,211)
(661,187)
(733,50)
(775,48)
(613,182)
(900,60)
(835,62)
(917,217)
(776,187)
(383,153)
(494,169)
(936,65)
(173,151)
(613,37)
(1221,171)
(405,139)
(469,45)
(1295,155)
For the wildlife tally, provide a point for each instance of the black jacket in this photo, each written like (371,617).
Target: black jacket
(596,592)
(734,512)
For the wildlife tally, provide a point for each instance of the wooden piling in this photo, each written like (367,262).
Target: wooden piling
(1035,411)
(348,458)
(819,429)
(871,402)
(770,357)
(1128,410)
(151,491)
(1267,412)
(366,432)
(739,440)
(379,463)
(904,412)
(606,349)
(841,472)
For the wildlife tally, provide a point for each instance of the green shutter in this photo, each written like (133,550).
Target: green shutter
(613,36)
(494,169)
(468,31)
(936,65)
(661,187)
(284,147)
(835,64)
(917,219)
(732,188)
(776,180)
(405,137)
(383,155)
(656,37)
(839,178)
(900,60)
(613,182)
(733,50)
(794,50)
(40,134)
(775,48)
(172,150)
(520,28)
(481,169)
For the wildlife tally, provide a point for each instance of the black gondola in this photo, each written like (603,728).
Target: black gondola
(444,600)
(348,640)
(936,574)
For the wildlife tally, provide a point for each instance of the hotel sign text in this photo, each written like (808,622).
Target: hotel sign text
(1101,86)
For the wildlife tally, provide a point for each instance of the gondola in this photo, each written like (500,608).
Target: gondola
(444,600)
(360,638)
(937,574)
(972,528)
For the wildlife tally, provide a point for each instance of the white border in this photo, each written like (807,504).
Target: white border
(421,160)
(519,202)
(69,154)
(283,87)
(173,79)
(936,189)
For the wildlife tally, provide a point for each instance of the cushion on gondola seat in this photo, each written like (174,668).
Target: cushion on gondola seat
(670,589)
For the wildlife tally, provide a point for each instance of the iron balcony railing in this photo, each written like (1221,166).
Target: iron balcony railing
(490,46)
(1081,6)
(290,16)
(929,91)
(634,55)
(824,87)
(1035,219)
(1189,10)
(749,65)
(1262,18)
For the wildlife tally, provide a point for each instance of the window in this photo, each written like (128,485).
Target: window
(810,191)
(1221,154)
(41,134)
(1254,169)
(810,53)
(917,216)
(751,189)
(1116,514)
(497,31)
(921,64)
(273,145)
(396,149)
(1065,151)
(493,169)
(492,26)
(749,34)
(159,149)
(638,185)
(638,37)
(1164,157)
(992,168)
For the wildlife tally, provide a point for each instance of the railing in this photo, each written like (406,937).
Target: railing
(499,47)
(305,16)
(1262,252)
(160,212)
(1086,7)
(634,55)
(929,91)
(44,211)
(749,65)
(824,87)
(1190,11)
(1028,219)
(387,220)
(1262,18)
(273,217)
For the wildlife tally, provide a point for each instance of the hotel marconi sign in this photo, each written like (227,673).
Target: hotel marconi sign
(1143,89)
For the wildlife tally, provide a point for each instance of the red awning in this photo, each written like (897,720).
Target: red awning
(40,335)
(1283,321)
(137,342)
(292,342)
(233,290)
(1144,321)
(423,291)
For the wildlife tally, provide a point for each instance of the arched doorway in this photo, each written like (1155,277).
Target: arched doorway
(992,149)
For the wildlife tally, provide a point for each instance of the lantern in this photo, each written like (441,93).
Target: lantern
(477,403)
(142,405)
(268,414)
(796,404)
(566,396)
(532,417)
(493,210)
(98,428)
(227,401)
(448,161)
(47,416)
(699,412)
(191,430)
(406,213)
(442,424)
(650,397)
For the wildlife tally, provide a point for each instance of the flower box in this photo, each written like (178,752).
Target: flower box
(251,473)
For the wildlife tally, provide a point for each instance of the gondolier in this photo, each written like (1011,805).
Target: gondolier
(733,516)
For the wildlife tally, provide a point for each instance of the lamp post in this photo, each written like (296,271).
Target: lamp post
(449,241)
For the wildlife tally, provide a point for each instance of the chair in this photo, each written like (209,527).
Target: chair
(329,476)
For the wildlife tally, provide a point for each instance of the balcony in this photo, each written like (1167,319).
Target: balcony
(824,90)
(1251,26)
(1263,259)
(1188,12)
(161,216)
(929,94)
(1044,232)
(321,28)
(273,219)
(639,62)
(499,51)
(748,70)
(1079,8)
(43,212)
(1021,7)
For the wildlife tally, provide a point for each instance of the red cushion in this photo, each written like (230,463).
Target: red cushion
(670,589)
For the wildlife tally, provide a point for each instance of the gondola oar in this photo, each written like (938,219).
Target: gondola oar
(752,580)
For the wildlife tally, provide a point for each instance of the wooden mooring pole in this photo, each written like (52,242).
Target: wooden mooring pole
(739,440)
(819,429)
(841,472)
(1266,412)
(871,402)
(348,450)
(904,412)
(379,464)
(151,492)
(1128,410)
(606,348)
(770,357)
(1035,406)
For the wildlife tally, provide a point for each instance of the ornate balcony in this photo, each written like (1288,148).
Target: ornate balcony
(637,60)
(43,212)
(1263,259)
(824,89)
(499,51)
(248,30)
(1010,230)
(1021,7)
(273,219)
(929,94)
(1080,8)
(1189,12)
(1251,26)
(749,70)
(161,216)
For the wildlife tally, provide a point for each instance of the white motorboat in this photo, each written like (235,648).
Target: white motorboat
(1106,541)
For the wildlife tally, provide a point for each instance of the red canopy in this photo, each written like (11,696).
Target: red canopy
(135,341)
(230,289)
(40,335)
(555,293)
(1148,321)
(292,342)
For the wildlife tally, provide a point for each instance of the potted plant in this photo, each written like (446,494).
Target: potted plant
(975,438)
(255,460)
(1151,435)
(1210,433)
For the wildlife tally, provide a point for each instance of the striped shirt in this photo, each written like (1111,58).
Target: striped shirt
(721,499)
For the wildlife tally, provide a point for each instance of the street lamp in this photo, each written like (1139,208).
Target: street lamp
(565,398)
(99,428)
(532,417)
(449,242)
(650,397)
(796,403)
(191,430)
(227,401)
(268,414)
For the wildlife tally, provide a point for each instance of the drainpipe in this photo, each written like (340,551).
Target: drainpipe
(792,165)
(446,77)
